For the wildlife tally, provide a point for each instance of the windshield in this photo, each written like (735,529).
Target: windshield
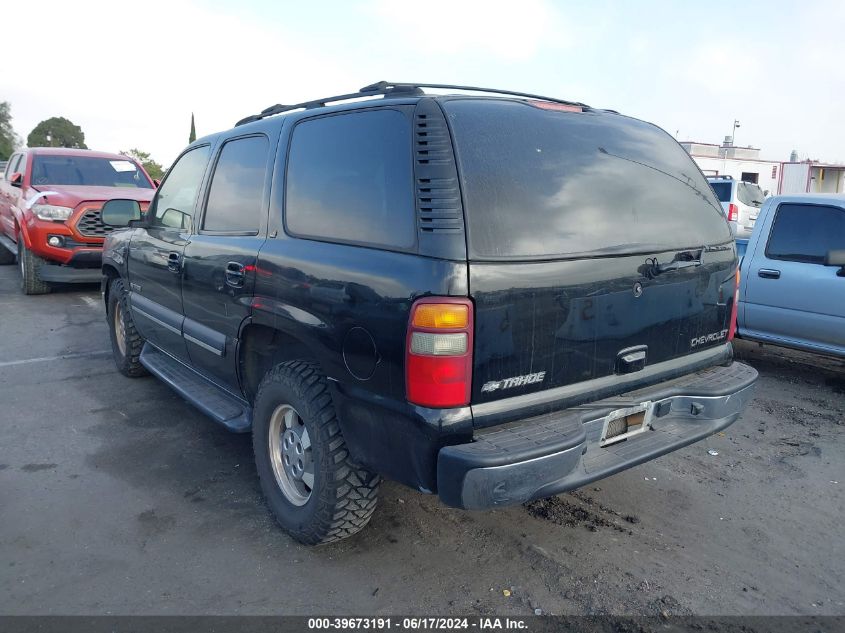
(541,183)
(750,194)
(87,171)
(722,189)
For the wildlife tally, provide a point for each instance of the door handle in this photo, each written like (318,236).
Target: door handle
(235,274)
(174,262)
(768,273)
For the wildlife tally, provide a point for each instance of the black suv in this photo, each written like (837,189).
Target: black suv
(492,296)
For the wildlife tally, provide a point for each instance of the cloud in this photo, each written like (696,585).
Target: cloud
(131,76)
(132,80)
(724,68)
(504,30)
(786,91)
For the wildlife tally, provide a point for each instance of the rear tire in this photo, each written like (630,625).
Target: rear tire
(29,265)
(126,343)
(313,488)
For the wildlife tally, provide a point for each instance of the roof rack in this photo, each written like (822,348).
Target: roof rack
(386,88)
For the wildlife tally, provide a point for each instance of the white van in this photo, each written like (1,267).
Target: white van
(741,202)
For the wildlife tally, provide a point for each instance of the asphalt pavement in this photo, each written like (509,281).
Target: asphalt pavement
(117,497)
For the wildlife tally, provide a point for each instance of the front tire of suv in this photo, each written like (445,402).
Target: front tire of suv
(30,265)
(126,343)
(314,489)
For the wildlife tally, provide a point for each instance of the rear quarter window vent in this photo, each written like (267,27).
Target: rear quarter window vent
(437,191)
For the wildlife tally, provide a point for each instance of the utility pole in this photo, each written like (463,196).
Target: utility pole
(733,132)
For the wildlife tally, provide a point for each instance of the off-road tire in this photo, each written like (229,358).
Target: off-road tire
(344,494)
(6,256)
(128,363)
(30,265)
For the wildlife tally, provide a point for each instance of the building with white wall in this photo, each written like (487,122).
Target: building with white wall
(741,163)
(744,163)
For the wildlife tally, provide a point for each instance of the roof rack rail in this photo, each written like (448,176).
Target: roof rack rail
(320,103)
(386,88)
(388,85)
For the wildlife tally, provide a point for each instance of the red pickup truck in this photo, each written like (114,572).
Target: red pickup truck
(50,201)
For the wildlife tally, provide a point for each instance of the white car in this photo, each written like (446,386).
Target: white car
(741,202)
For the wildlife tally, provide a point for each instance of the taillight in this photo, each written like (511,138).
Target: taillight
(560,107)
(732,327)
(733,212)
(438,352)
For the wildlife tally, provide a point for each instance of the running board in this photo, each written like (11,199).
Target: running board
(219,405)
(9,244)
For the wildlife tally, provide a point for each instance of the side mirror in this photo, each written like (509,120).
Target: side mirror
(16,179)
(120,212)
(836,258)
(157,183)
(766,192)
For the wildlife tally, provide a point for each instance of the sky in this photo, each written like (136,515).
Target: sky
(131,75)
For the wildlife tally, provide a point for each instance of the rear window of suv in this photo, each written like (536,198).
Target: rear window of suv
(542,183)
(723,190)
(750,194)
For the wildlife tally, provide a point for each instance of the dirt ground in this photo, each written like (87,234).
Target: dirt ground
(116,497)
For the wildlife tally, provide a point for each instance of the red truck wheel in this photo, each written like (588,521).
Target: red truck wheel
(29,265)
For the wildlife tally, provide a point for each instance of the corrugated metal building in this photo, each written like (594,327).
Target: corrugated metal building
(812,177)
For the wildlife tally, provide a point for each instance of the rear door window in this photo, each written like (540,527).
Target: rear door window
(236,195)
(350,179)
(806,232)
(542,183)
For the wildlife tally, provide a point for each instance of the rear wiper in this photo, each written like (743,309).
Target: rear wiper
(684,259)
(677,265)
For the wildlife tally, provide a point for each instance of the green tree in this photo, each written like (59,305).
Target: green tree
(153,168)
(193,135)
(56,132)
(9,141)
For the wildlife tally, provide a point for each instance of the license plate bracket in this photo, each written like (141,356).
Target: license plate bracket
(621,424)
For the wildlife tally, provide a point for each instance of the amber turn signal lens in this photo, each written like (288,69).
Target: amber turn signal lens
(441,315)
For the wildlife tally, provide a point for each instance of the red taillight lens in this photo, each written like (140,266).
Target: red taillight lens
(733,212)
(732,327)
(560,107)
(438,352)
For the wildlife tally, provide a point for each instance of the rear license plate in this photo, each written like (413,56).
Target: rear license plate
(624,423)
